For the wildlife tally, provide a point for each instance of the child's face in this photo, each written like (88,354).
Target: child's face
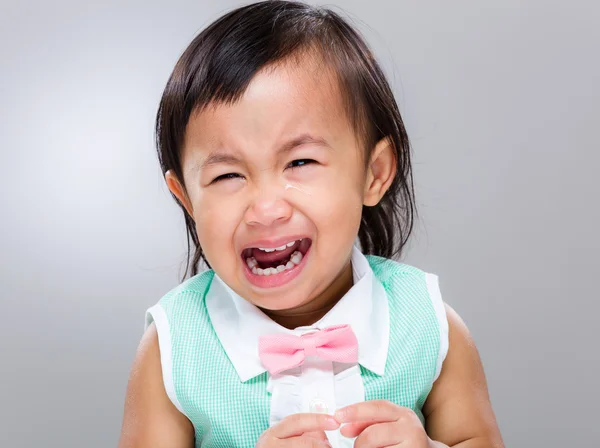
(247,189)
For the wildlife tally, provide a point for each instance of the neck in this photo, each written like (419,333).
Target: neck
(311,312)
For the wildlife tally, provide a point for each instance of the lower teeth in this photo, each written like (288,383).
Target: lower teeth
(295,260)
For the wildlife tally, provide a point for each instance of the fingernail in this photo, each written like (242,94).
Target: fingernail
(340,415)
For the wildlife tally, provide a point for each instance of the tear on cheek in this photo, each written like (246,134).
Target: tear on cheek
(289,186)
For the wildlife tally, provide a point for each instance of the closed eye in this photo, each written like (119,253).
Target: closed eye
(226,177)
(301,162)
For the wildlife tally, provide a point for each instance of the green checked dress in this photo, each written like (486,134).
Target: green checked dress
(226,412)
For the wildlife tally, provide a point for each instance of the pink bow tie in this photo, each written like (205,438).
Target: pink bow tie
(279,352)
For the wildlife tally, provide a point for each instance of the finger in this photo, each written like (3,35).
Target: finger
(354,429)
(375,411)
(297,424)
(380,435)
(319,435)
(303,442)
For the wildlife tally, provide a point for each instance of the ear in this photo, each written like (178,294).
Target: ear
(179,191)
(381,171)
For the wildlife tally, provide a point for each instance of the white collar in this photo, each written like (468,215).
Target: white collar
(238,323)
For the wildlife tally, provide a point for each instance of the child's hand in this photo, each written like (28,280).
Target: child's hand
(299,431)
(380,423)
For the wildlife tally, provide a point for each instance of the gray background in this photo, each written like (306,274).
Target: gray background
(501,100)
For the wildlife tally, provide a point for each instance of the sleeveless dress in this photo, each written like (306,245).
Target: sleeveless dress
(228,410)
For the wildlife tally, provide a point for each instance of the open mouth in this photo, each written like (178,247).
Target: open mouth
(271,261)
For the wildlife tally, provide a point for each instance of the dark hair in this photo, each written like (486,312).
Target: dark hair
(221,61)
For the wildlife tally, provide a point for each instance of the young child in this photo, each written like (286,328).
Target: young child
(280,138)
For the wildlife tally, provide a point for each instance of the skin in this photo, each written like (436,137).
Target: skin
(252,202)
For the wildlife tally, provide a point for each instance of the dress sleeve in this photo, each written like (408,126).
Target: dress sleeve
(435,295)
(157,315)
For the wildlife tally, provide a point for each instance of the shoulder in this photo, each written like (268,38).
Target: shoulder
(413,292)
(150,419)
(403,280)
(182,299)
(195,286)
(172,322)
(386,269)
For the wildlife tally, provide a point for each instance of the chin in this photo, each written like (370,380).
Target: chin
(280,301)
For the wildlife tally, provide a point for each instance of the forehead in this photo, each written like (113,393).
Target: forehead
(280,102)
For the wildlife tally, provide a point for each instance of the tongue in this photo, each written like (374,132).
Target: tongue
(273,259)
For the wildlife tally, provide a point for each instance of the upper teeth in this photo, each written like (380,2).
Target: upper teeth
(285,246)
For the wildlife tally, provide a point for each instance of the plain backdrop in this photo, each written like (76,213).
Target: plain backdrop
(501,100)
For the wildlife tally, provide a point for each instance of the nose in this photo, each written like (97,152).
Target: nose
(267,208)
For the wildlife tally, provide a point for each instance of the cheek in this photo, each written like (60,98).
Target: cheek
(336,203)
(216,221)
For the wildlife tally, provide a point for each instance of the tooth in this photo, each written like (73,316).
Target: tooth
(296,257)
(251,262)
(255,271)
(282,247)
(267,271)
(290,244)
(289,265)
(259,271)
(280,268)
(274,271)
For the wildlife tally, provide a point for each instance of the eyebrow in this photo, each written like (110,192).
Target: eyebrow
(301,140)
(222,157)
